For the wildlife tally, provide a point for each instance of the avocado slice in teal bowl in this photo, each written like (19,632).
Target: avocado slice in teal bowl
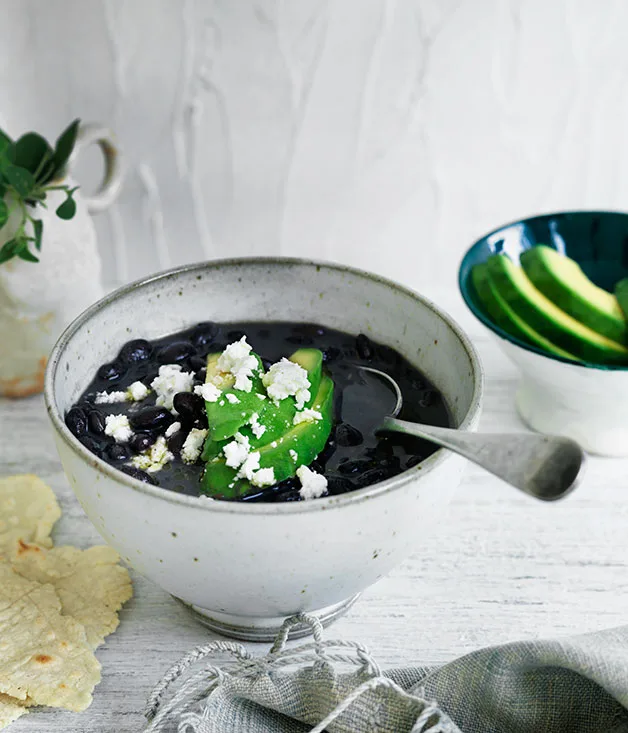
(598,243)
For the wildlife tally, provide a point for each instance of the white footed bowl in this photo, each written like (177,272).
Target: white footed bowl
(581,402)
(245,567)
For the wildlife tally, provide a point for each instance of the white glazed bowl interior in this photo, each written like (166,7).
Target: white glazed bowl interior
(248,564)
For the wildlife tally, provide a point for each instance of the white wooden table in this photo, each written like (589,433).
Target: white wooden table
(506,567)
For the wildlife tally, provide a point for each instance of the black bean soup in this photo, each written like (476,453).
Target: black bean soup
(353,457)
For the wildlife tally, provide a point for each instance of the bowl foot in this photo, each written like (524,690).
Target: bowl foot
(251,628)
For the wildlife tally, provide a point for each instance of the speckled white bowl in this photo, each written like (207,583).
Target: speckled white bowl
(245,567)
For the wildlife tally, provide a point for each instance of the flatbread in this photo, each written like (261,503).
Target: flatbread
(28,511)
(10,710)
(90,584)
(44,656)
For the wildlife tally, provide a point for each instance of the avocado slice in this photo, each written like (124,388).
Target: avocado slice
(546,318)
(561,280)
(276,418)
(306,440)
(225,418)
(621,293)
(498,311)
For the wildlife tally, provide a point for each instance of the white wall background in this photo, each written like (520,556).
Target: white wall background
(383,133)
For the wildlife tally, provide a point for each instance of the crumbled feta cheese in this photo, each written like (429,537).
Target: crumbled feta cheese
(237,455)
(263,477)
(238,361)
(256,427)
(208,391)
(172,429)
(117,426)
(153,459)
(110,398)
(250,466)
(236,451)
(294,455)
(260,396)
(313,484)
(222,403)
(306,415)
(274,444)
(170,381)
(193,445)
(287,379)
(137,392)
(232,399)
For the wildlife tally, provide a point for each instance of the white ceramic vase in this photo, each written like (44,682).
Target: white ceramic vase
(37,300)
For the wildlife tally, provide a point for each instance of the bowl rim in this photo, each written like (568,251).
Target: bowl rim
(486,321)
(233,507)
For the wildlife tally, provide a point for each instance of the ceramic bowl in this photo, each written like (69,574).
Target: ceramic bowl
(245,567)
(586,402)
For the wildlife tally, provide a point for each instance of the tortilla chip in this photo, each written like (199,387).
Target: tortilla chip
(28,511)
(44,656)
(90,584)
(10,710)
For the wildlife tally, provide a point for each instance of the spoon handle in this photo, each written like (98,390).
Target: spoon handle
(543,466)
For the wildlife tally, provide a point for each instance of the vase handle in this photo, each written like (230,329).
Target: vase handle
(114,172)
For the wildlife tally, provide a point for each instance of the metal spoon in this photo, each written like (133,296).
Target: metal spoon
(544,466)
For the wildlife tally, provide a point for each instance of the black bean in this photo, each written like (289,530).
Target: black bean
(176,441)
(413,461)
(93,445)
(135,351)
(375,475)
(235,335)
(175,352)
(316,466)
(267,363)
(151,418)
(190,406)
(364,347)
(197,363)
(96,422)
(118,453)
(204,334)
(201,422)
(141,442)
(338,485)
(139,475)
(351,468)
(76,420)
(348,436)
(112,372)
(201,375)
(331,353)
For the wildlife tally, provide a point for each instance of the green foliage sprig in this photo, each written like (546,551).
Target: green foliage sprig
(29,169)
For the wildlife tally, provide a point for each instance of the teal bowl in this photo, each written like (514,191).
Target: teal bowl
(586,402)
(596,240)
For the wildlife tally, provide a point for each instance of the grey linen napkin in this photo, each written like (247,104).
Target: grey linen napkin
(572,685)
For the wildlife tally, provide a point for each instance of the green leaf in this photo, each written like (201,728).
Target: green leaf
(3,189)
(5,143)
(4,213)
(67,209)
(31,151)
(21,179)
(8,250)
(24,253)
(64,147)
(38,228)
